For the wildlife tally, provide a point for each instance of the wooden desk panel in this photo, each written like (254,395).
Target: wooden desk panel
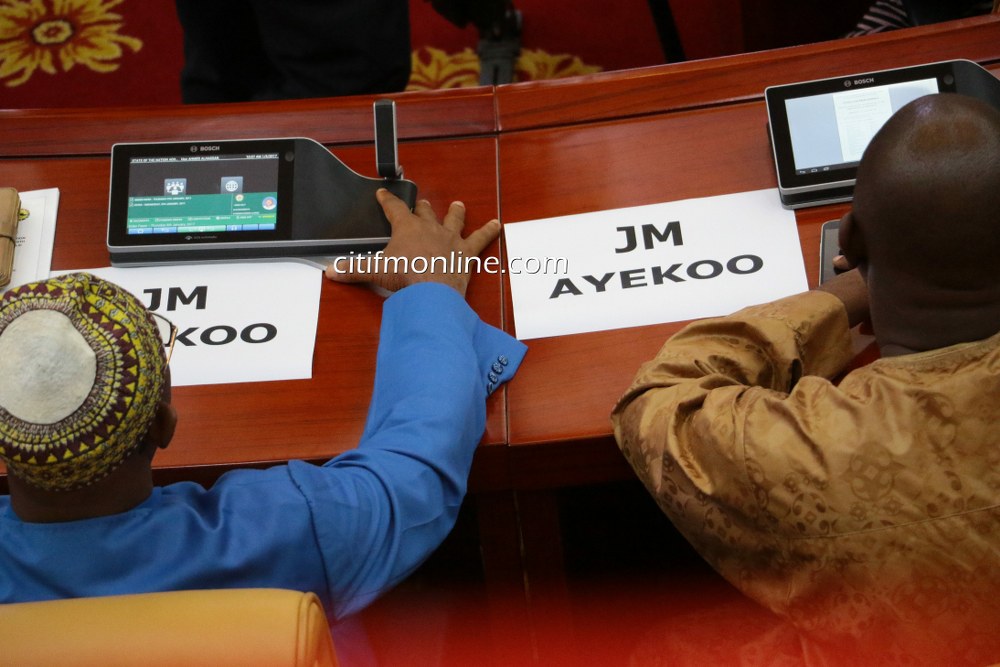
(254,423)
(420,115)
(617,95)
(577,169)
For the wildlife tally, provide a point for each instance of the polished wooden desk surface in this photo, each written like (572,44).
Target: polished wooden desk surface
(256,423)
(342,121)
(523,151)
(712,82)
(662,134)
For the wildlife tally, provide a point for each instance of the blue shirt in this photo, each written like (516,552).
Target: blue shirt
(347,530)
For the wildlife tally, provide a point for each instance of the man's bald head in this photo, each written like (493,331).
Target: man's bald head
(927,200)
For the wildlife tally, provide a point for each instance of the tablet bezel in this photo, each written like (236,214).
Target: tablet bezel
(121,159)
(823,181)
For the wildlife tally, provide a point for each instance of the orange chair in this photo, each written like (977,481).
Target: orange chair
(245,627)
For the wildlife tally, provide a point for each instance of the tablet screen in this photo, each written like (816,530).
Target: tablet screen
(819,129)
(832,130)
(199,194)
(184,193)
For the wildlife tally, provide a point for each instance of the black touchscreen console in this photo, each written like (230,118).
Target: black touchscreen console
(248,199)
(819,129)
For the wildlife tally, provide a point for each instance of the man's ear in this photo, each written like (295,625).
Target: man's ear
(852,240)
(161,430)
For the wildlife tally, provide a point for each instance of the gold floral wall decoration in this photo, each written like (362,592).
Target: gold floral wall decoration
(434,69)
(48,35)
(536,64)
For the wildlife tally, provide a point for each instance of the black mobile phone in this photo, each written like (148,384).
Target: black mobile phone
(829,247)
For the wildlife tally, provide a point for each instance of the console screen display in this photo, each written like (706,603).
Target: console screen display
(832,130)
(202,194)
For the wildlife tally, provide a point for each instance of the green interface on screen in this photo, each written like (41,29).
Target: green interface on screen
(179,214)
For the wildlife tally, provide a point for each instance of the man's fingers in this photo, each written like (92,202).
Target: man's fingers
(342,271)
(425,211)
(477,241)
(841,264)
(395,209)
(454,219)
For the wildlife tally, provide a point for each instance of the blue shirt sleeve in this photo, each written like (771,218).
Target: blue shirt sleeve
(348,530)
(379,510)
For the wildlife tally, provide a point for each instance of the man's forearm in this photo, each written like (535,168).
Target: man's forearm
(850,288)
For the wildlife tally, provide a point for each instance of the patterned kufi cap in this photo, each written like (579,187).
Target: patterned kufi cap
(81,375)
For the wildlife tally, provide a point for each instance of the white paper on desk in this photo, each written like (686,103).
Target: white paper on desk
(35,236)
(688,259)
(249,322)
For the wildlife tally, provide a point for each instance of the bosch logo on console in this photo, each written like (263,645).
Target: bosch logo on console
(209,148)
(861,82)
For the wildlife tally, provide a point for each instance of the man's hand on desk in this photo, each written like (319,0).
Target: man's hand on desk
(417,238)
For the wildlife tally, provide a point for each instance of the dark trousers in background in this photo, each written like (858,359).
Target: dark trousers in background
(242,50)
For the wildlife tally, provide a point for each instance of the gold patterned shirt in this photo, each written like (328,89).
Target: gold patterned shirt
(869,504)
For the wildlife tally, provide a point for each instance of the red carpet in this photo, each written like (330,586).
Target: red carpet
(64,53)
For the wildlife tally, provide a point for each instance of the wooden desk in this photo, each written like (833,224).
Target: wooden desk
(659,134)
(448,146)
(524,151)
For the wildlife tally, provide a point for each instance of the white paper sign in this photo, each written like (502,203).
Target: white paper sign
(651,264)
(35,236)
(236,322)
